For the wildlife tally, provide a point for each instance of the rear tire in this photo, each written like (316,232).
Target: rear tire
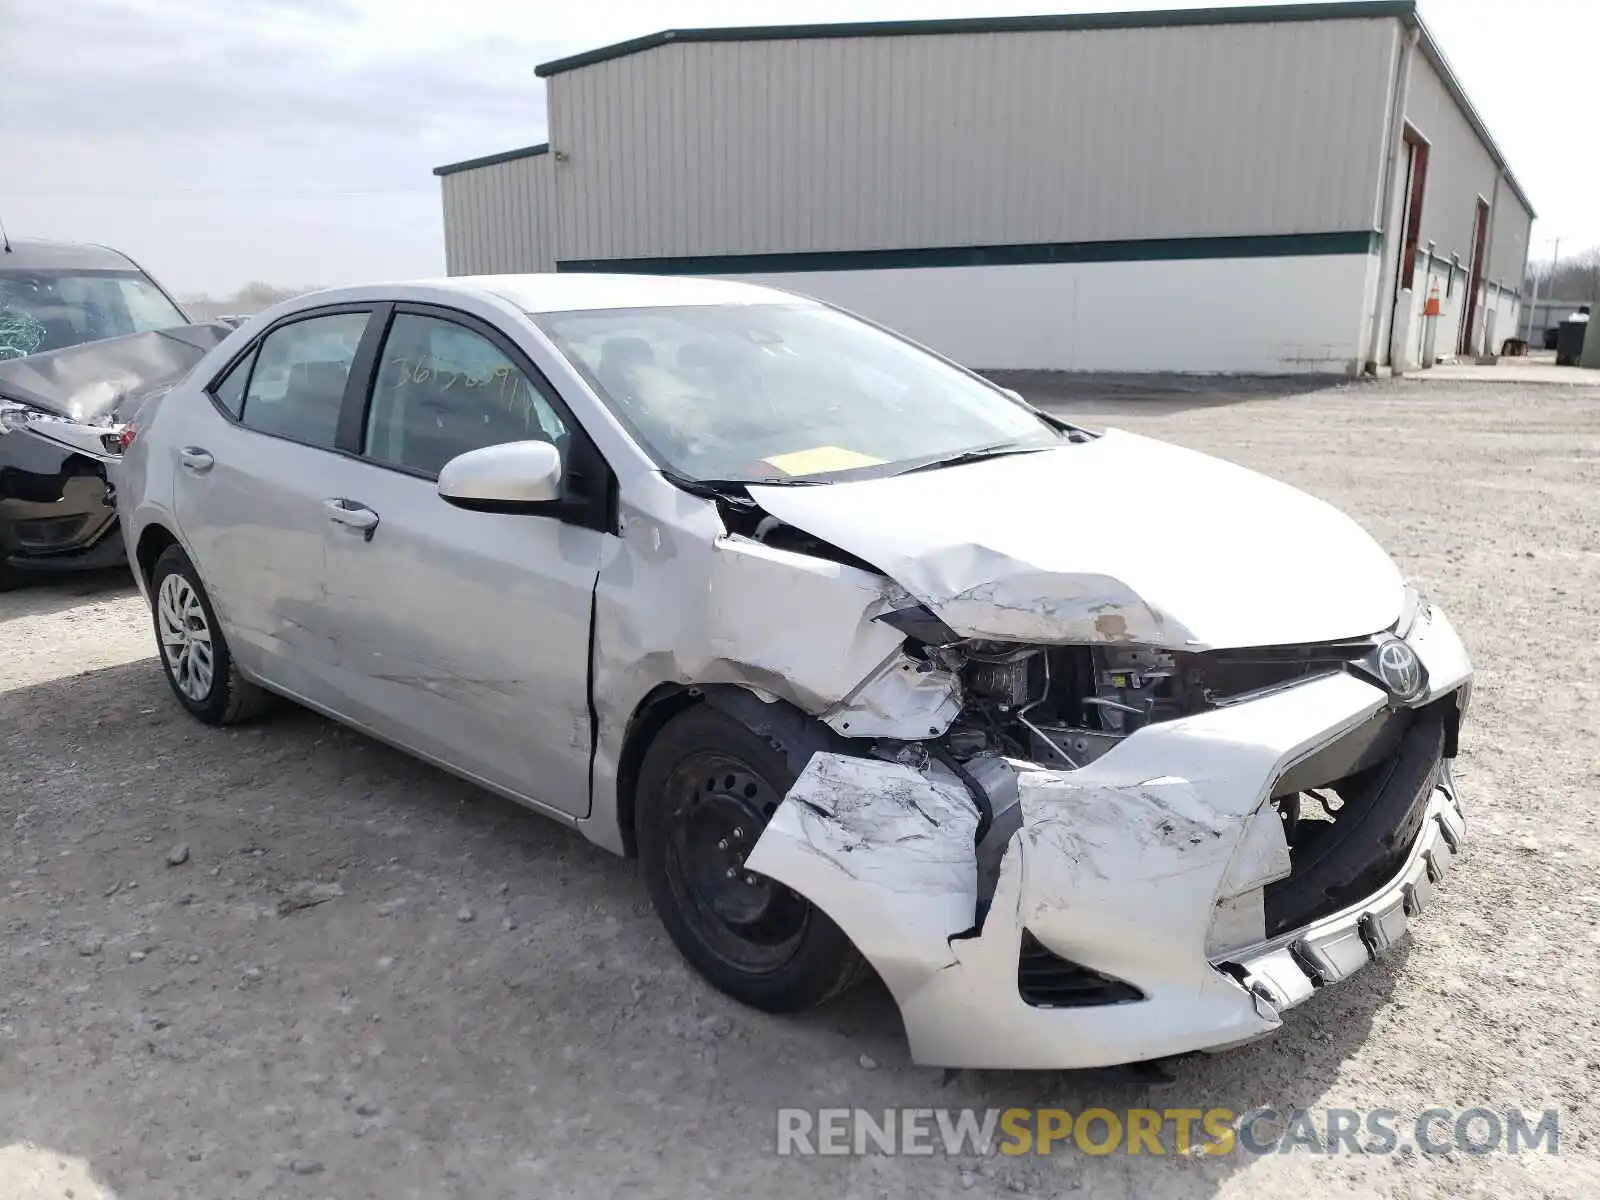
(194,651)
(707,788)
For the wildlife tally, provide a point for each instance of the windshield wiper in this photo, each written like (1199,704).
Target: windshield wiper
(977,454)
(734,490)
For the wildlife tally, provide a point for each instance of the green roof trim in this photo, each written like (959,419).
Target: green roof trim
(1347,10)
(1280,245)
(490,160)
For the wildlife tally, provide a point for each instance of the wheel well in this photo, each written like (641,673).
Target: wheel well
(654,711)
(152,543)
(783,726)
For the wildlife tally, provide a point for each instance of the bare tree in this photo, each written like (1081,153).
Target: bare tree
(1575,279)
(251,298)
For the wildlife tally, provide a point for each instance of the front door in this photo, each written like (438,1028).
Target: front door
(249,492)
(463,635)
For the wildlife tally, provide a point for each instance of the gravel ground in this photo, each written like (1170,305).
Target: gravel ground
(285,960)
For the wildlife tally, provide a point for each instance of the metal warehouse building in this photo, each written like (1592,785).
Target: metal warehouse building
(1268,189)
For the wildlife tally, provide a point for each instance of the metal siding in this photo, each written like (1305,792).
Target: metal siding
(846,143)
(1460,170)
(500,218)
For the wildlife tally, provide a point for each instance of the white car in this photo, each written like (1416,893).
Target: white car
(1095,749)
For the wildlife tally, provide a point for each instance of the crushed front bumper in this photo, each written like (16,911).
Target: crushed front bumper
(1140,876)
(1288,969)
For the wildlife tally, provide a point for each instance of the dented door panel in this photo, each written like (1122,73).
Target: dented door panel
(465,635)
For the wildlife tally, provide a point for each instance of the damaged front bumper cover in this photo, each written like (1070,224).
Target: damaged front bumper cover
(1143,871)
(1285,971)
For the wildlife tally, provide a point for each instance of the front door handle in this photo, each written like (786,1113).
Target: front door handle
(197,460)
(353,515)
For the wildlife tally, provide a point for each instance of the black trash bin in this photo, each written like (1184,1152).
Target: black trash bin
(1569,338)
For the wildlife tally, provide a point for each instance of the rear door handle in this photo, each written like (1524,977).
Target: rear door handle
(352,514)
(197,460)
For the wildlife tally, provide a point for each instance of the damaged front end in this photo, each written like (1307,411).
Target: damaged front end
(1084,851)
(1182,845)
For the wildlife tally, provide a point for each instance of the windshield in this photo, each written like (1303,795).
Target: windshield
(778,392)
(48,310)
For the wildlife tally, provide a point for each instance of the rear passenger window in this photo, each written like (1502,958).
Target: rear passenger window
(443,390)
(298,383)
(230,392)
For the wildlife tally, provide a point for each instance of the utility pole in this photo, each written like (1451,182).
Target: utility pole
(1533,300)
(1533,309)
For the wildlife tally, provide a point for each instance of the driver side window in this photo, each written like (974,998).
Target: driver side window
(442,390)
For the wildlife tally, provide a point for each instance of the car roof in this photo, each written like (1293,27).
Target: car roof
(36,254)
(572,291)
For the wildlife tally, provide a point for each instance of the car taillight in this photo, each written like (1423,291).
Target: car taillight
(119,442)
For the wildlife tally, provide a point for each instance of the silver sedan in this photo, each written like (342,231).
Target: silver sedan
(1094,748)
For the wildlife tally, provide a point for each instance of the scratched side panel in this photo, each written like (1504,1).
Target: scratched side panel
(465,635)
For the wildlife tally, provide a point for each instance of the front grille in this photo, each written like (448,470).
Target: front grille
(1046,980)
(1352,811)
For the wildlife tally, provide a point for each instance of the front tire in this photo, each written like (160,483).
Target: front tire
(707,788)
(194,652)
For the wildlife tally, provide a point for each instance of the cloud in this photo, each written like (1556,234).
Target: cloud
(278,140)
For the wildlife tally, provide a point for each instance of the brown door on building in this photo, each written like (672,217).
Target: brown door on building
(1405,276)
(1416,189)
(1480,237)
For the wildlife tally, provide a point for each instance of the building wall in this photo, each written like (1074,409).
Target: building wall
(1274,315)
(1501,302)
(698,149)
(1460,169)
(500,218)
(1195,197)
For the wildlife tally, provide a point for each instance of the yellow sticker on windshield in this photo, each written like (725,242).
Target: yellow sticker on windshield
(821,459)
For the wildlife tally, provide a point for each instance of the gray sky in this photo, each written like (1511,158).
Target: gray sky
(220,141)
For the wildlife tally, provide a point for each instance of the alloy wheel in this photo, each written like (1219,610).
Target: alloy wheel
(185,637)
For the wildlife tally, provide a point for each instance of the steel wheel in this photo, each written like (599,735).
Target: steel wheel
(718,807)
(707,788)
(185,637)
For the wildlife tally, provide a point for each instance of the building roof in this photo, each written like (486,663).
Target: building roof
(1160,18)
(37,254)
(489,160)
(1346,10)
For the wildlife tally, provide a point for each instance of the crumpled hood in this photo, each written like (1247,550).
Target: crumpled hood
(97,382)
(1120,539)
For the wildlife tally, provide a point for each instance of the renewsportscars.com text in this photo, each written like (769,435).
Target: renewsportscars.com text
(1169,1131)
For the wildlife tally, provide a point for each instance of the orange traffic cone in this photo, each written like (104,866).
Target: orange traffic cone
(1430,324)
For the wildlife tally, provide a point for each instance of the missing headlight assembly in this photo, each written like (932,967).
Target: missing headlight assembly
(1064,706)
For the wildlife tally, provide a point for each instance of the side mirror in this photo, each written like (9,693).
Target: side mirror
(506,478)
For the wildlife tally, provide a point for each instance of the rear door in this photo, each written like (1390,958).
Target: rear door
(465,635)
(252,481)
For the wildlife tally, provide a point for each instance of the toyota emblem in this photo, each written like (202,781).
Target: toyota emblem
(1400,669)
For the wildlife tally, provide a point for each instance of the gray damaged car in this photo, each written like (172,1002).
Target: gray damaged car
(1095,749)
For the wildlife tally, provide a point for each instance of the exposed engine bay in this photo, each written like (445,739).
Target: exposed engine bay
(1068,802)
(1062,706)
